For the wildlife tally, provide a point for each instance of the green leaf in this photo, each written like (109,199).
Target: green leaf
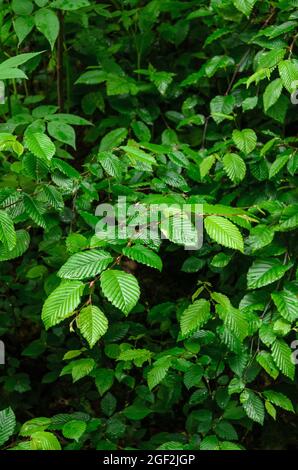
(43,440)
(70,5)
(7,425)
(40,145)
(92,323)
(136,154)
(65,168)
(271,59)
(18,60)
(221,107)
(209,443)
(7,231)
(245,6)
(265,360)
(193,376)
(11,73)
(74,429)
(53,197)
(23,26)
(76,242)
(196,119)
(288,72)
(62,302)
(85,264)
(216,35)
(143,255)
(121,289)
(22,7)
(249,103)
(216,63)
(289,218)
(136,412)
(226,445)
(267,335)
(71,119)
(236,386)
(138,356)
(234,320)
(278,164)
(226,430)
(158,372)
(111,164)
(104,379)
(260,236)
(161,80)
(270,409)
(195,316)
(171,445)
(62,132)
(81,368)
(108,404)
(141,131)
(34,425)
(206,165)
(265,271)
(279,399)
(234,167)
(245,140)
(221,260)
(120,85)
(223,232)
(253,406)
(287,304)
(282,356)
(193,264)
(280,29)
(279,110)
(113,139)
(47,23)
(272,93)
(22,245)
(92,77)
(33,210)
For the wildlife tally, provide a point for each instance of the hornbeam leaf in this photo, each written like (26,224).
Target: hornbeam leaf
(279,399)
(195,316)
(264,272)
(121,289)
(245,140)
(234,167)
(282,356)
(62,302)
(143,255)
(245,6)
(7,231)
(253,406)
(7,424)
(224,232)
(92,323)
(40,145)
(22,244)
(272,93)
(85,264)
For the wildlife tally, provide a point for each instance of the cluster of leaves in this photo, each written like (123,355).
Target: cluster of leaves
(128,342)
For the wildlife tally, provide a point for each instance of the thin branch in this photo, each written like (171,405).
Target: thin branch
(292,45)
(237,68)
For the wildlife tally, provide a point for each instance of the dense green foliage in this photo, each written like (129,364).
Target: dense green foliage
(122,343)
